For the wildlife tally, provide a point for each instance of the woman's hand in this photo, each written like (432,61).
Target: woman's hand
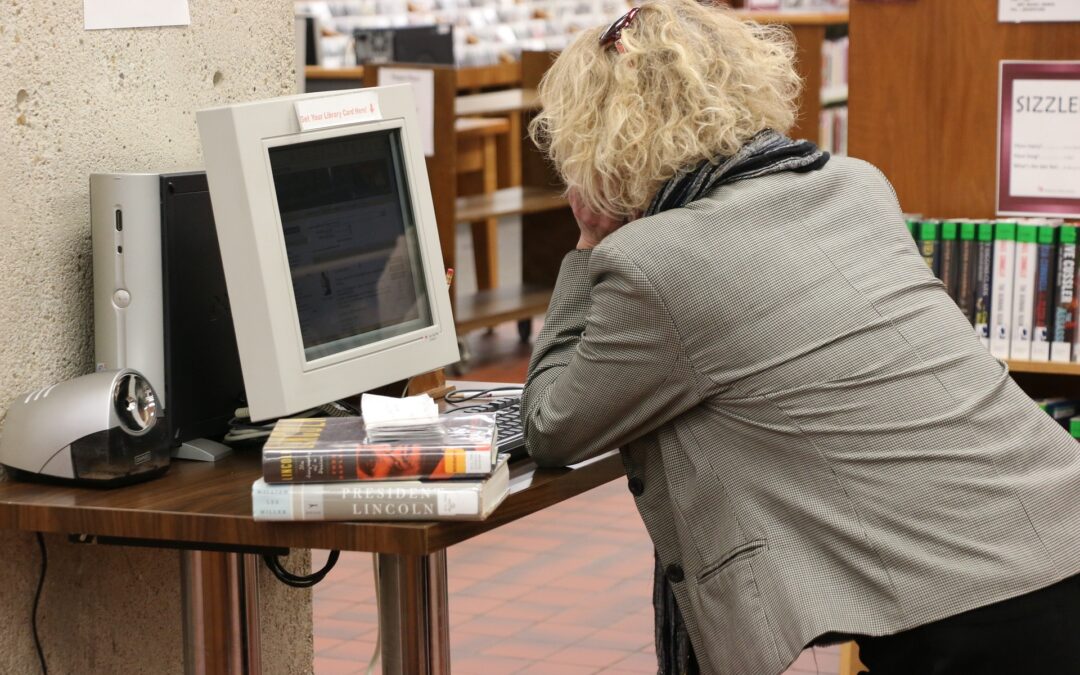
(594,226)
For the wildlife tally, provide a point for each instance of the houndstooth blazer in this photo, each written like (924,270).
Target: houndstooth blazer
(813,435)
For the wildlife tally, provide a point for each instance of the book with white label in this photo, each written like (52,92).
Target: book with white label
(1002,301)
(1024,292)
(1043,314)
(383,500)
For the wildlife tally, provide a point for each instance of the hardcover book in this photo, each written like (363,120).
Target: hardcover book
(1023,292)
(383,500)
(928,245)
(1002,301)
(1043,314)
(965,278)
(1065,301)
(984,270)
(950,264)
(324,449)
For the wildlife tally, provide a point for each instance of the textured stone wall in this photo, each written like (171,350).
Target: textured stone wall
(73,102)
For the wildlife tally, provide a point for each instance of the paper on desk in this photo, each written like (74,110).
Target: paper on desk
(388,411)
(101,14)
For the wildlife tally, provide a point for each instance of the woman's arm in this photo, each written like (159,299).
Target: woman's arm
(608,366)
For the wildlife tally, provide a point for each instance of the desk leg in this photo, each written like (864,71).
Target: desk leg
(414,617)
(219,597)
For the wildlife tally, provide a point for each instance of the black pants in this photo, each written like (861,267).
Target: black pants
(1034,633)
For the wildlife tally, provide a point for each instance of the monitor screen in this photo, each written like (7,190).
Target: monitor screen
(329,245)
(350,235)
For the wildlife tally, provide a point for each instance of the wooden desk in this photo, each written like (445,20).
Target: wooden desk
(205,509)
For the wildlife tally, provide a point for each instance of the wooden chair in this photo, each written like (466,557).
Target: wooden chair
(478,173)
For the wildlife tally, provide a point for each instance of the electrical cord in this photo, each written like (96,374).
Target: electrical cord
(37,602)
(463,395)
(296,581)
(466,395)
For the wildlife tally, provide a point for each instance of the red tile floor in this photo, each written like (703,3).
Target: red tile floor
(566,591)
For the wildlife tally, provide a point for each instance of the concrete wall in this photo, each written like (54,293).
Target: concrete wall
(74,102)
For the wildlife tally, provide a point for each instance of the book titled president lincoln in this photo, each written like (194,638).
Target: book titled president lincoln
(328,449)
(470,499)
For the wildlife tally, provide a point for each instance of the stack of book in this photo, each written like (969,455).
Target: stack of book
(336,468)
(1014,280)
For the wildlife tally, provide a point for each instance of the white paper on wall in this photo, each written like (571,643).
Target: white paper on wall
(1038,10)
(103,14)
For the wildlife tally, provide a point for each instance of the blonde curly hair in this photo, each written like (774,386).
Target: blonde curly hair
(693,83)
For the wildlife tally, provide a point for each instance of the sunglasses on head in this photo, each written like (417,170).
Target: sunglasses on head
(613,33)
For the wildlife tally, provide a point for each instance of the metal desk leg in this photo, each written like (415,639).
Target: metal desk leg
(219,597)
(414,617)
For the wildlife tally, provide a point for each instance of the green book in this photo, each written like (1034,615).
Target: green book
(927,240)
(949,262)
(965,272)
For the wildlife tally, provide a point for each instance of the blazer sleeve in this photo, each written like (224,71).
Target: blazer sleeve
(608,365)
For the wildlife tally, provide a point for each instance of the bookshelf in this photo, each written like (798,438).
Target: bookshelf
(1044,368)
(924,97)
(472,78)
(924,111)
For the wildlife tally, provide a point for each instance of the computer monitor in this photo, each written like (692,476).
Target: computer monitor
(329,245)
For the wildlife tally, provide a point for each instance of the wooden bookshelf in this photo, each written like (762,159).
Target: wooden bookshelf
(924,107)
(321,73)
(466,79)
(483,77)
(796,18)
(1044,368)
(924,96)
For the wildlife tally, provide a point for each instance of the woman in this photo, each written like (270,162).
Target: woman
(817,443)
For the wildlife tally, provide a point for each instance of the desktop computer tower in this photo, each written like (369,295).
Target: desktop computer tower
(160,302)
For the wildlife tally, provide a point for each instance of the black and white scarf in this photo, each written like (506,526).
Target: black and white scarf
(766,153)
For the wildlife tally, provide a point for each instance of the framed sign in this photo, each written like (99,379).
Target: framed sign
(1039,138)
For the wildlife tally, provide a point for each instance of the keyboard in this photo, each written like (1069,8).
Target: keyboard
(508,420)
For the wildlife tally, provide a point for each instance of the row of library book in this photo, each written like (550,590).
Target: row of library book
(1014,280)
(339,468)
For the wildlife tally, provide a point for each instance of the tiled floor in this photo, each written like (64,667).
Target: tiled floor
(566,591)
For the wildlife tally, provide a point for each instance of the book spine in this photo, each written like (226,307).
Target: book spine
(1064,296)
(1042,314)
(928,245)
(950,266)
(1001,303)
(965,276)
(373,463)
(984,268)
(358,502)
(1023,293)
